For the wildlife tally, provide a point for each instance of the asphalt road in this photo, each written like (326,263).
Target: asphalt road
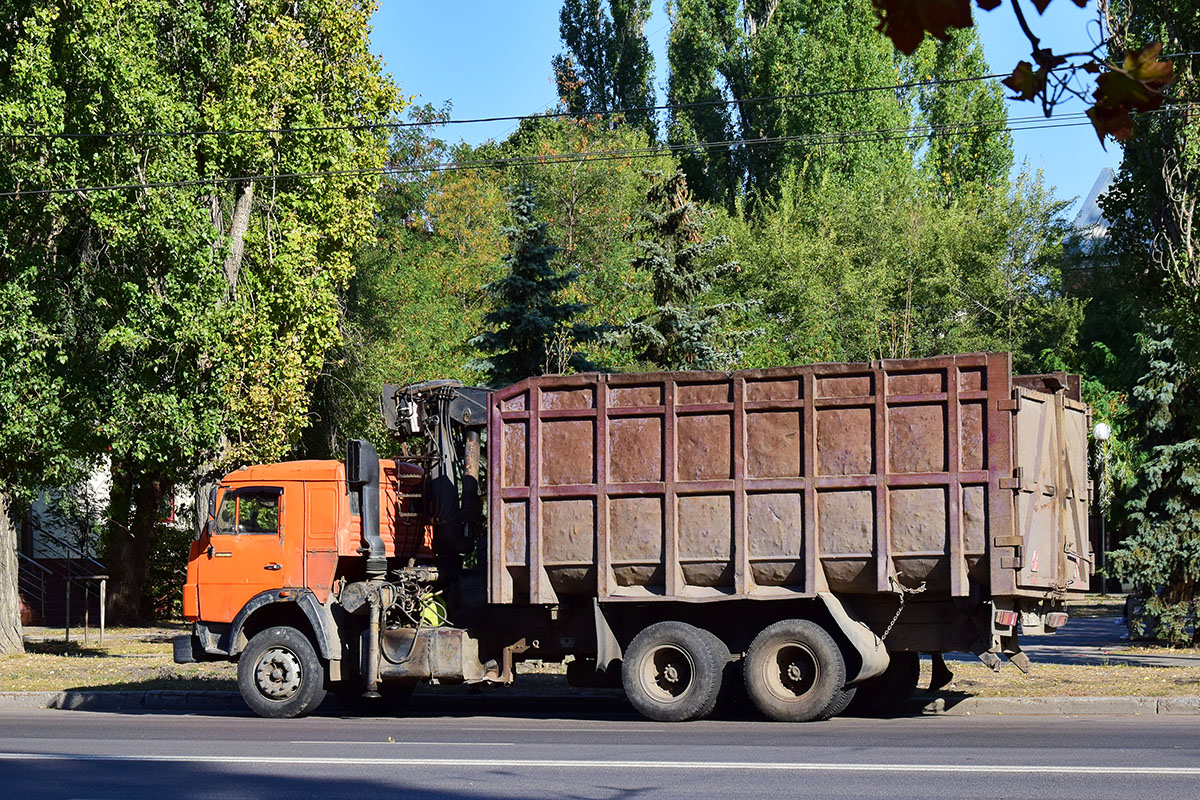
(58,754)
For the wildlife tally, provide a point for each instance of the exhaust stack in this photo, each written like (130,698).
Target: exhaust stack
(362,473)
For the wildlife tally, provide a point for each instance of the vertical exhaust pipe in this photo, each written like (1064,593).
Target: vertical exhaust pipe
(362,473)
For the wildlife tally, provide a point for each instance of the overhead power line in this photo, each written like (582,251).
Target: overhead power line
(19,135)
(871,135)
(508,118)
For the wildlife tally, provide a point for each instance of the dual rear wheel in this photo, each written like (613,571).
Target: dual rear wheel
(793,672)
(672,671)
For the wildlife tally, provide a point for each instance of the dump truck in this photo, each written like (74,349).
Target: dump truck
(801,532)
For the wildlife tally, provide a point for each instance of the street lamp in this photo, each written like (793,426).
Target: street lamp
(1100,433)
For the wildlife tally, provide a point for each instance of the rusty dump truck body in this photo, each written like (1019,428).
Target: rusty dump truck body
(806,531)
(781,483)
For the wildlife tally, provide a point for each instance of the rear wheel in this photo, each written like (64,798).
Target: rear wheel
(280,674)
(672,671)
(883,694)
(842,699)
(795,671)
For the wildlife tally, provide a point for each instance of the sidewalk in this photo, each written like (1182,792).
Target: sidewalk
(1092,640)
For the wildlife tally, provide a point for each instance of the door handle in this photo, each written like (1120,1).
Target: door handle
(273,566)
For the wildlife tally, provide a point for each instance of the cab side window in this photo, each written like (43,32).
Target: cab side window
(258,513)
(248,512)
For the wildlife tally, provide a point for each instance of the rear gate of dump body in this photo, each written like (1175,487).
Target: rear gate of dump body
(771,483)
(1051,492)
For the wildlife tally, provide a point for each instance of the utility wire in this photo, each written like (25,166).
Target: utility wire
(871,135)
(522,117)
(510,118)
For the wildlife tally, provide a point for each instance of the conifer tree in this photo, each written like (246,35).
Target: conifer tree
(531,329)
(1161,555)
(683,331)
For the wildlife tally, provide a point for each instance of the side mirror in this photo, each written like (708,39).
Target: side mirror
(202,522)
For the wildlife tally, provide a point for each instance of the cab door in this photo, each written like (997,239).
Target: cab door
(243,552)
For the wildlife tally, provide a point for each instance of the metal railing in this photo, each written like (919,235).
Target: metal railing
(33,584)
(93,585)
(80,580)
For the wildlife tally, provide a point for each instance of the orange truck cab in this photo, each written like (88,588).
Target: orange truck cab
(278,540)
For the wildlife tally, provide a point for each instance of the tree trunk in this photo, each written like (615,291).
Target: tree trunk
(237,236)
(10,605)
(132,526)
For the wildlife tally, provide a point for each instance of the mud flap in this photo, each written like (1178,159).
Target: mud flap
(608,649)
(872,653)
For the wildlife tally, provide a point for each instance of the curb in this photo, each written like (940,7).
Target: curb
(1057,706)
(458,702)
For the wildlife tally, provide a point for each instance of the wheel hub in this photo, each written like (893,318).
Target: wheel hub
(794,673)
(667,673)
(278,673)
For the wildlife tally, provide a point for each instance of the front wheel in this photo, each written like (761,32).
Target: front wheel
(672,671)
(280,675)
(795,672)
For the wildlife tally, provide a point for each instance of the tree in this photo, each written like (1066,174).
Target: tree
(417,295)
(10,607)
(1161,555)
(1151,251)
(588,201)
(608,64)
(979,158)
(681,333)
(727,55)
(530,328)
(177,326)
(865,267)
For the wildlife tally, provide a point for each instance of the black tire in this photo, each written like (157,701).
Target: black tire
(280,674)
(794,671)
(842,699)
(883,694)
(672,672)
(733,702)
(394,697)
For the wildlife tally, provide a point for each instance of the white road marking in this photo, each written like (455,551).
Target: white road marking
(648,728)
(752,766)
(427,742)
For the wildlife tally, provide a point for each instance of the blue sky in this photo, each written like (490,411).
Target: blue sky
(493,59)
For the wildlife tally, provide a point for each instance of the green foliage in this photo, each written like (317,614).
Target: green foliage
(1152,255)
(416,296)
(177,326)
(530,329)
(166,568)
(739,50)
(981,157)
(1161,555)
(868,267)
(608,64)
(682,331)
(589,200)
